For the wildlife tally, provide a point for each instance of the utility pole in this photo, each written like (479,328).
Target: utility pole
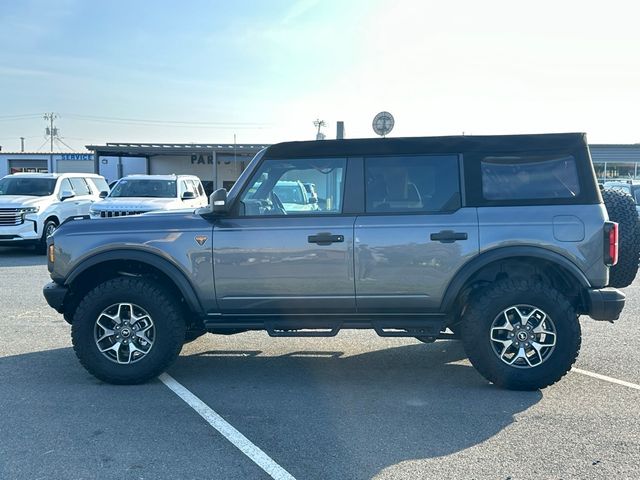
(22,144)
(52,133)
(319,124)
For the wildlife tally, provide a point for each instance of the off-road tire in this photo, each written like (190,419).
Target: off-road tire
(483,309)
(161,306)
(622,209)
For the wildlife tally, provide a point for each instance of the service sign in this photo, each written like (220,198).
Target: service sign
(76,156)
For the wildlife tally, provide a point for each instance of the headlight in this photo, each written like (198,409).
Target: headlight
(27,210)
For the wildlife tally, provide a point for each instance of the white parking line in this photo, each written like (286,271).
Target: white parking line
(241,442)
(606,379)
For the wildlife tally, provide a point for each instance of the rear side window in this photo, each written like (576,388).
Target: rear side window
(529,177)
(412,184)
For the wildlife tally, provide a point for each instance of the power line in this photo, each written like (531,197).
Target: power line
(18,119)
(43,144)
(98,118)
(20,115)
(59,140)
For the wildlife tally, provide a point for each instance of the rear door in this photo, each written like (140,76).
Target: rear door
(273,257)
(415,234)
(83,198)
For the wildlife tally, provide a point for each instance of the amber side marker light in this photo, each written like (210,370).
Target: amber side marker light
(52,255)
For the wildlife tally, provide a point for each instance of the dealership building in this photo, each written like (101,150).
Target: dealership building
(219,164)
(46,162)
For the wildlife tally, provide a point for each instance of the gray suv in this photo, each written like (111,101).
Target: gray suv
(500,241)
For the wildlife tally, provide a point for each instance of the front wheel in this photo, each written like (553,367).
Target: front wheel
(50,226)
(127,330)
(521,334)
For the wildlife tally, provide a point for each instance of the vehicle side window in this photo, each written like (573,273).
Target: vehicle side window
(529,177)
(80,187)
(101,184)
(278,188)
(65,184)
(412,184)
(200,189)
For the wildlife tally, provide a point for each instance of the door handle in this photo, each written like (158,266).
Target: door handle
(448,236)
(325,238)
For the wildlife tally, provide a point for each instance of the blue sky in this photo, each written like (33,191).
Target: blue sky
(265,70)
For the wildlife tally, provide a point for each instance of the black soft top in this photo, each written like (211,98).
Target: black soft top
(413,145)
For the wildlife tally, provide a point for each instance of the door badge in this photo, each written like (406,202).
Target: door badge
(201,239)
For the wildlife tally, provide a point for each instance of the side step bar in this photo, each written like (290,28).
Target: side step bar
(321,326)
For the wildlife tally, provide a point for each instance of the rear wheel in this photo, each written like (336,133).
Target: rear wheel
(127,330)
(521,334)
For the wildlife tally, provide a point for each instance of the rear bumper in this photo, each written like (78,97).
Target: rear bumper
(605,303)
(55,294)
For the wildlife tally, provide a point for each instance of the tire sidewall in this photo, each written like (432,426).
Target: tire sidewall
(41,246)
(152,363)
(477,340)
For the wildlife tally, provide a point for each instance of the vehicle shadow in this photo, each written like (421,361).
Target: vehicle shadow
(320,414)
(20,257)
(323,415)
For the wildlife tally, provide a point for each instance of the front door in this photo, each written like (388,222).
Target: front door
(284,250)
(69,207)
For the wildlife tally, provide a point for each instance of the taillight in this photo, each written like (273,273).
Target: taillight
(610,243)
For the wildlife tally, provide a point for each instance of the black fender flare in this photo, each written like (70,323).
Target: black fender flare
(503,253)
(164,265)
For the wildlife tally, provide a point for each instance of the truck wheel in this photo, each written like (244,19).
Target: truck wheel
(622,209)
(50,226)
(521,334)
(127,330)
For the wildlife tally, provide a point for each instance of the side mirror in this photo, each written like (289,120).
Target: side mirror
(103,194)
(188,196)
(65,194)
(313,200)
(218,201)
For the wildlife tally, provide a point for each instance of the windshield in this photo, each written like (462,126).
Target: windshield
(34,187)
(145,188)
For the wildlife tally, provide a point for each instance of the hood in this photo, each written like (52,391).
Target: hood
(136,203)
(17,201)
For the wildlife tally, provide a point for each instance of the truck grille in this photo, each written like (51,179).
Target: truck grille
(10,217)
(120,213)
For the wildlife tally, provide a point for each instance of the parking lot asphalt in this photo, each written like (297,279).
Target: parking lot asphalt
(351,407)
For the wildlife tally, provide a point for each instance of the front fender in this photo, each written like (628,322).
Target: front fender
(161,263)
